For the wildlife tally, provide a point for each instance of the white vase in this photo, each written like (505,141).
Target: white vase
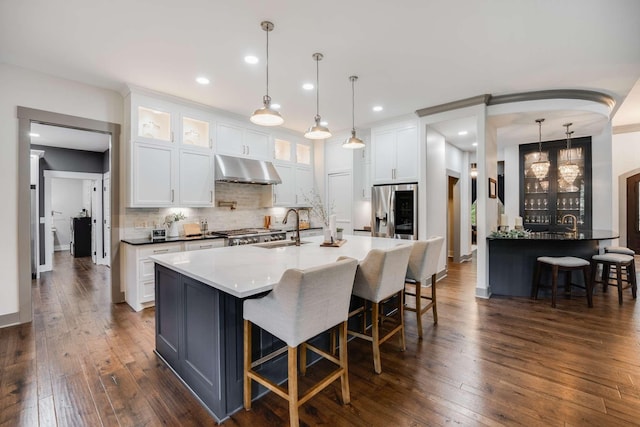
(173,230)
(327,234)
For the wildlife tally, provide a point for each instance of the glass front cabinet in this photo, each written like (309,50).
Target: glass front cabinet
(549,201)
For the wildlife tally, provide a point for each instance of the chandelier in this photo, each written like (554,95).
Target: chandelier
(540,168)
(569,171)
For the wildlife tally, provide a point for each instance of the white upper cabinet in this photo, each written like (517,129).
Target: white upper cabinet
(284,194)
(235,140)
(281,150)
(304,153)
(170,156)
(304,185)
(153,176)
(196,178)
(336,158)
(395,154)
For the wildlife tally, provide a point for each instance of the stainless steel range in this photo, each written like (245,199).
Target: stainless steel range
(248,236)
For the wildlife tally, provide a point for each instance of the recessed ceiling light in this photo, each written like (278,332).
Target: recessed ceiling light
(250,59)
(275,106)
(33,134)
(475,144)
(308,86)
(463,133)
(202,80)
(324,123)
(377,108)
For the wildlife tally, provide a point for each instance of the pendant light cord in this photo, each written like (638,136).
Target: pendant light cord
(317,86)
(267,63)
(353,105)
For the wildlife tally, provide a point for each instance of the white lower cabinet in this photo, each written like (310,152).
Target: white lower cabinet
(139,272)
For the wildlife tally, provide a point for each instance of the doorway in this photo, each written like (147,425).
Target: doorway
(27,116)
(340,197)
(633,212)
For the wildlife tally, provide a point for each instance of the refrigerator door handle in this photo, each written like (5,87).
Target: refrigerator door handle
(391,223)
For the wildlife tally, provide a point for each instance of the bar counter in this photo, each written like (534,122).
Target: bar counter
(512,260)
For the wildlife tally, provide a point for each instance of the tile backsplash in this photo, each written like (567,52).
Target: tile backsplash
(249,212)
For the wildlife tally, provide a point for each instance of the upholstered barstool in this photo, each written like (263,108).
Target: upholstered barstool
(620,250)
(567,264)
(302,304)
(380,276)
(620,261)
(423,265)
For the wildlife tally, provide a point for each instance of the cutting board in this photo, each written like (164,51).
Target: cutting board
(192,230)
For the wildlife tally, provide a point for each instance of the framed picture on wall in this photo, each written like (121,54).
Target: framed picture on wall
(493,188)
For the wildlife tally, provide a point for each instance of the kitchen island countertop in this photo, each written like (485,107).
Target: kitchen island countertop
(244,271)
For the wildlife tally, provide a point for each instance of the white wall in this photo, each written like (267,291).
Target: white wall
(458,161)
(22,87)
(601,181)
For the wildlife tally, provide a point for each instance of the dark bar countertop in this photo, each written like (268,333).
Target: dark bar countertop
(559,235)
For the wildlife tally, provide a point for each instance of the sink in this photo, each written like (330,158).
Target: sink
(278,244)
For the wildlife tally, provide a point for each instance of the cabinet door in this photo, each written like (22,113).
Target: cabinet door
(365,179)
(152,121)
(256,144)
(406,168)
(336,158)
(284,194)
(196,179)
(383,162)
(303,185)
(168,315)
(200,345)
(152,176)
(195,131)
(229,140)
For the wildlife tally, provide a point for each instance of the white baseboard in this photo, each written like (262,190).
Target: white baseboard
(58,248)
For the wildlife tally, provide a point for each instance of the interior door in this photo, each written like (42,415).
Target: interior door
(340,188)
(633,213)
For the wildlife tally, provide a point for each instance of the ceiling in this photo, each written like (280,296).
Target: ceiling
(74,139)
(408,55)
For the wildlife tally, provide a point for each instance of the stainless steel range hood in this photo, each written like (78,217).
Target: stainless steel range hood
(247,171)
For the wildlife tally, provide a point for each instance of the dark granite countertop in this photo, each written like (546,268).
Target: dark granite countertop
(561,235)
(149,241)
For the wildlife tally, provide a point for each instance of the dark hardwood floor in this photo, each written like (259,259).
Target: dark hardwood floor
(86,362)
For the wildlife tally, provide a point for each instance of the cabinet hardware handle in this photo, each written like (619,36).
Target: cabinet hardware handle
(159,251)
(248,149)
(206,246)
(172,194)
(172,136)
(210,142)
(211,196)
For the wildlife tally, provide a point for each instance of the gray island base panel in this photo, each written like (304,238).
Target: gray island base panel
(199,325)
(512,261)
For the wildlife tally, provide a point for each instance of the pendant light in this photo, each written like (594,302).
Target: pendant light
(540,168)
(317,131)
(266,116)
(353,142)
(474,170)
(569,171)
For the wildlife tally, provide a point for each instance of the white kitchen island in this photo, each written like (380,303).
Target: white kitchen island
(199,298)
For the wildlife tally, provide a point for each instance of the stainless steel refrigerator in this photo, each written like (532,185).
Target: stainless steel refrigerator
(394,211)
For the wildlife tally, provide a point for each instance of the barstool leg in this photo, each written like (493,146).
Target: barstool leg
(418,293)
(293,387)
(586,272)
(619,281)
(247,365)
(403,344)
(554,285)
(344,363)
(605,276)
(433,299)
(634,279)
(375,335)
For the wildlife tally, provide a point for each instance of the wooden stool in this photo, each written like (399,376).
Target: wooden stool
(566,264)
(619,250)
(619,260)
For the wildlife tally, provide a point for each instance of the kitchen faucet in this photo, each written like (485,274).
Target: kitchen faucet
(284,221)
(574,226)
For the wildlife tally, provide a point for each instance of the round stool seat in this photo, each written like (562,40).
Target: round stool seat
(613,257)
(564,261)
(619,250)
